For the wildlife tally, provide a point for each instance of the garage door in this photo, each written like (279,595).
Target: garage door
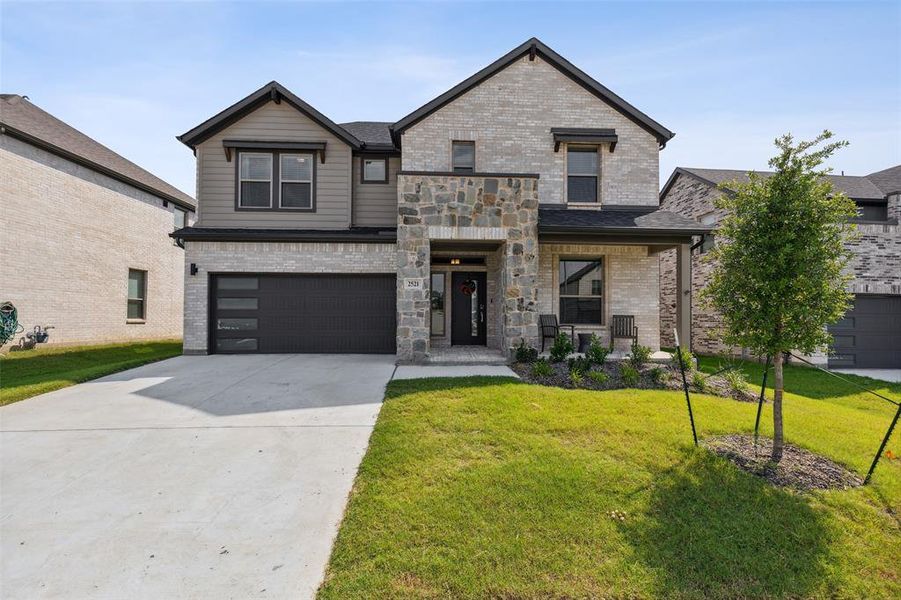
(303,313)
(870,334)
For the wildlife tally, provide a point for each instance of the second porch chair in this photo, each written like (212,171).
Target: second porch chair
(623,327)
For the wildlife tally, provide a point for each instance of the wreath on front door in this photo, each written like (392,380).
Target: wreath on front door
(468,287)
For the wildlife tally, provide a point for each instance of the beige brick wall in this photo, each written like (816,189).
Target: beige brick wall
(509,117)
(69,236)
(631,279)
(269,257)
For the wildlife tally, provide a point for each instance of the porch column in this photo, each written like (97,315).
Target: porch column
(683,294)
(413,265)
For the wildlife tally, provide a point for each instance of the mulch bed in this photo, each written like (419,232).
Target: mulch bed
(799,469)
(652,376)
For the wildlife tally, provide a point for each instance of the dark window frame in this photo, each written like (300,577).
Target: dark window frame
(275,183)
(601,297)
(363,180)
(881,205)
(585,149)
(454,167)
(142,299)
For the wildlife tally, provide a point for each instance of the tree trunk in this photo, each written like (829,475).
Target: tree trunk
(777,406)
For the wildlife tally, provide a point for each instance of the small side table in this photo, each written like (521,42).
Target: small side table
(584,342)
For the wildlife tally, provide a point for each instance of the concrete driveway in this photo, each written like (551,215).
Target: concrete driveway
(195,477)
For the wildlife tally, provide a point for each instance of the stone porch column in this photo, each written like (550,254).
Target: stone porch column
(520,277)
(413,281)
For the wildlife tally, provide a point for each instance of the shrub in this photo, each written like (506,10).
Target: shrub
(699,381)
(660,375)
(688,357)
(576,377)
(563,347)
(736,380)
(598,376)
(597,352)
(541,368)
(640,355)
(525,354)
(629,374)
(580,364)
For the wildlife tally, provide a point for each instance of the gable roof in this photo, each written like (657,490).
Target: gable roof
(271,92)
(887,180)
(854,186)
(23,120)
(535,47)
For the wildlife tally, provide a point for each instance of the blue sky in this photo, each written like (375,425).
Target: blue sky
(727,77)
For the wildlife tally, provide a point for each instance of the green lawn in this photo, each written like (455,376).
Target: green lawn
(487,487)
(33,372)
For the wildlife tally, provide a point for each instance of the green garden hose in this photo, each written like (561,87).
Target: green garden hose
(9,322)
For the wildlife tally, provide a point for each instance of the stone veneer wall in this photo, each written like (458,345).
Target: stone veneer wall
(876,264)
(268,257)
(631,279)
(509,117)
(466,208)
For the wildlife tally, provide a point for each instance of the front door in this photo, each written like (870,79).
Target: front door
(468,305)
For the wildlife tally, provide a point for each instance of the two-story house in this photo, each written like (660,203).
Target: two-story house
(527,189)
(86,246)
(869,336)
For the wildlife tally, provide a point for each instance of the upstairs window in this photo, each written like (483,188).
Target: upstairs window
(582,169)
(180,218)
(463,157)
(582,292)
(276,181)
(255,180)
(374,170)
(296,181)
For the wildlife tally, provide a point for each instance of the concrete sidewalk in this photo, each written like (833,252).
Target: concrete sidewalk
(196,477)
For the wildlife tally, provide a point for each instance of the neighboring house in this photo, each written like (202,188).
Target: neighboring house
(870,334)
(86,246)
(527,189)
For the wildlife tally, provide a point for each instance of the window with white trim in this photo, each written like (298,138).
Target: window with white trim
(137,295)
(375,170)
(255,180)
(296,181)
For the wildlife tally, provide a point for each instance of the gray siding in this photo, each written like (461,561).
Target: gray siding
(375,204)
(216,175)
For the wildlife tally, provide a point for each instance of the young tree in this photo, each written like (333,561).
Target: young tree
(778,278)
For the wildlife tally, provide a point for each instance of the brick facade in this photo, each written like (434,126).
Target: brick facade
(509,117)
(70,235)
(268,257)
(876,264)
(631,279)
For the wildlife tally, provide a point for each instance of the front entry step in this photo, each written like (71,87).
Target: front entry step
(465,355)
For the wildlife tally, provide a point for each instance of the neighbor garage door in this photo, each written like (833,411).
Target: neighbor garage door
(303,313)
(870,334)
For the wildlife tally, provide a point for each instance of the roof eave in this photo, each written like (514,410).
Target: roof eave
(75,158)
(272,91)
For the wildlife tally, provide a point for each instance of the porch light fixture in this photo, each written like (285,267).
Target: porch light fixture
(455,261)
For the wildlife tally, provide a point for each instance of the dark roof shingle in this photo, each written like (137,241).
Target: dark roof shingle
(371,133)
(621,219)
(887,180)
(19,116)
(854,186)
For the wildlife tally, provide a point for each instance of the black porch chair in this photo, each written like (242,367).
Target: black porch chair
(551,329)
(623,327)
